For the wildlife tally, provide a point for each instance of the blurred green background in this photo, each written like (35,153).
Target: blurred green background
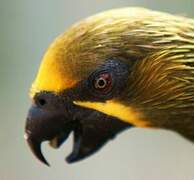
(26,29)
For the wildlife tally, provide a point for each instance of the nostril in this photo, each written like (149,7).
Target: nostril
(43,99)
(41,102)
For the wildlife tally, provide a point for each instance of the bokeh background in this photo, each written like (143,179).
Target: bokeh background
(26,29)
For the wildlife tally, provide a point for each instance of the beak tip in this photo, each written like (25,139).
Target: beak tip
(43,160)
(73,157)
(46,163)
(36,149)
(70,160)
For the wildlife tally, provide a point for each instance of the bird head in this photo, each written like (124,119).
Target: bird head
(103,75)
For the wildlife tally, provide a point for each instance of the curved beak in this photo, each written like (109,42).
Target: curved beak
(43,125)
(91,129)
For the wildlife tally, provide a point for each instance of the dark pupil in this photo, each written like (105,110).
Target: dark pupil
(101,82)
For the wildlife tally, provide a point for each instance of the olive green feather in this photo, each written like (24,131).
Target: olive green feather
(158,46)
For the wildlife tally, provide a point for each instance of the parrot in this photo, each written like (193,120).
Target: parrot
(115,70)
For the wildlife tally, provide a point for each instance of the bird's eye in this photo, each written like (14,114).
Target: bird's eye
(103,82)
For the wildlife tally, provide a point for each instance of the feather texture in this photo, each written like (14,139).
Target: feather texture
(159,49)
